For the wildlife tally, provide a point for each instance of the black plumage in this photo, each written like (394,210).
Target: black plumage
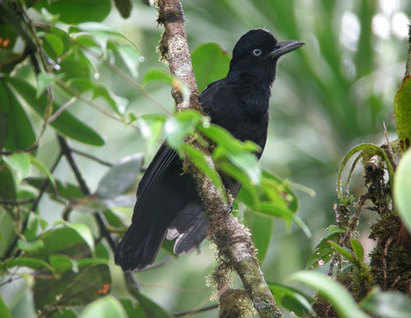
(167,202)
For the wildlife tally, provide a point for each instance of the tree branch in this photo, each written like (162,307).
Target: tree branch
(233,240)
(68,153)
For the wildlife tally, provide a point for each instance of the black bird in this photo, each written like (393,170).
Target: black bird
(168,205)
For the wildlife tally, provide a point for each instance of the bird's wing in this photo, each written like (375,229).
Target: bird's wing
(158,165)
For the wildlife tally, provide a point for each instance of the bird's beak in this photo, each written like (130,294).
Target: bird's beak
(285,47)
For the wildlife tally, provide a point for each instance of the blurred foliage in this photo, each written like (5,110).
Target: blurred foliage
(97,81)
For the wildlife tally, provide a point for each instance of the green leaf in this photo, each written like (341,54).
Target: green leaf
(205,165)
(157,76)
(82,230)
(4,311)
(66,123)
(342,251)
(151,308)
(19,162)
(29,262)
(261,228)
(248,163)
(7,232)
(336,294)
(66,190)
(357,249)
(72,288)
(55,43)
(180,126)
(19,131)
(61,263)
(7,184)
(402,111)
(45,80)
(210,63)
(107,307)
(117,103)
(291,299)
(133,310)
(30,246)
(389,304)
(124,7)
(43,169)
(120,177)
(77,11)
(402,189)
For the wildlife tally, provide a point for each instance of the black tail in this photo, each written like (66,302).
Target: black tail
(139,247)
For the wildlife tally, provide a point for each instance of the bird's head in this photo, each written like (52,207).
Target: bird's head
(256,54)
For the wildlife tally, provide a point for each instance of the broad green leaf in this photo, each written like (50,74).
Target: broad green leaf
(336,294)
(358,250)
(20,163)
(120,177)
(205,165)
(7,231)
(157,76)
(55,43)
(391,304)
(75,65)
(282,188)
(291,299)
(261,228)
(4,311)
(19,131)
(223,138)
(210,63)
(66,123)
(7,183)
(112,218)
(29,262)
(77,11)
(61,263)
(107,307)
(248,163)
(150,308)
(62,240)
(82,230)
(402,111)
(72,288)
(402,189)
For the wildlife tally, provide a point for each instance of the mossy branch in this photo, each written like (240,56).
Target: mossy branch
(233,240)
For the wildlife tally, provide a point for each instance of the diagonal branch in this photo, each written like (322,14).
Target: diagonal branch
(233,240)
(68,153)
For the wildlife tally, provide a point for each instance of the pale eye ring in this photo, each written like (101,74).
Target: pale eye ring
(257,52)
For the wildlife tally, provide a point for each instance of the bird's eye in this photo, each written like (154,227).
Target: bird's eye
(257,52)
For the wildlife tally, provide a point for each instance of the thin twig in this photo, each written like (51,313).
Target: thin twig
(67,152)
(195,311)
(17,202)
(59,111)
(91,157)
